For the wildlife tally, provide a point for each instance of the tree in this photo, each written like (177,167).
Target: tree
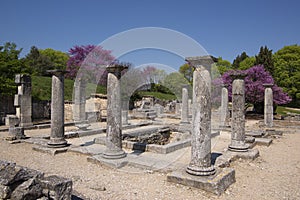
(264,58)
(37,63)
(256,76)
(247,63)
(238,60)
(174,82)
(223,65)
(10,65)
(58,59)
(91,60)
(287,71)
(187,71)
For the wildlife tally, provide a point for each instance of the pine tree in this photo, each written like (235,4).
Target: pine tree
(264,58)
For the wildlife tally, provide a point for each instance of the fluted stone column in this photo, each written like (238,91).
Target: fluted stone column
(200,164)
(79,101)
(114,124)
(238,116)
(57,136)
(185,105)
(268,109)
(224,107)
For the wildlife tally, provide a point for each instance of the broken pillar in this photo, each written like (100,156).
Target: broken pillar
(268,109)
(57,136)
(79,100)
(185,105)
(238,143)
(224,107)
(114,122)
(201,125)
(23,101)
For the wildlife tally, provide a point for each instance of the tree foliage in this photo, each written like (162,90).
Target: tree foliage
(174,82)
(238,60)
(91,60)
(38,61)
(247,63)
(223,65)
(264,58)
(287,71)
(187,71)
(10,65)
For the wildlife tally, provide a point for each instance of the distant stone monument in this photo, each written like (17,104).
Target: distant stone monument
(114,122)
(268,109)
(57,136)
(238,116)
(23,101)
(185,105)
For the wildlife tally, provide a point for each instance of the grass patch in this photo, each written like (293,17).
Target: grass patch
(158,95)
(284,110)
(41,88)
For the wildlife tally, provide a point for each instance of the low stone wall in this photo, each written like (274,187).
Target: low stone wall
(18,183)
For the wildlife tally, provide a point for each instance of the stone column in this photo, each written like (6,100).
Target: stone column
(224,107)
(124,117)
(114,124)
(23,100)
(57,110)
(185,105)
(200,164)
(268,109)
(238,116)
(79,101)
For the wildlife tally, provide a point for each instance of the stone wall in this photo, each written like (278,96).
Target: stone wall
(18,183)
(6,107)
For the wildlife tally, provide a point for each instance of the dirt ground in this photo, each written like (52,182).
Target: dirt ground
(274,175)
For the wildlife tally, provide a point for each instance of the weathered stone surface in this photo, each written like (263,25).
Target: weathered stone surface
(224,108)
(29,190)
(56,187)
(114,124)
(23,100)
(238,117)
(20,183)
(57,110)
(216,183)
(185,105)
(268,109)
(16,133)
(124,117)
(79,100)
(201,125)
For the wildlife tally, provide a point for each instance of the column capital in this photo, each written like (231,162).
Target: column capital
(116,69)
(201,61)
(268,85)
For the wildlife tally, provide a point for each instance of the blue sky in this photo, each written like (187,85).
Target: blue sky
(223,28)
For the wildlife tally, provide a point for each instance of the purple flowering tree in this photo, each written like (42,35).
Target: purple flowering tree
(256,76)
(89,61)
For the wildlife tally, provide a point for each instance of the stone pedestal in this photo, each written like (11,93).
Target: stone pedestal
(224,108)
(114,124)
(57,110)
(268,109)
(23,100)
(185,106)
(238,117)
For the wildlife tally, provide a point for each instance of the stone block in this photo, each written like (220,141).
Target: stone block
(215,184)
(30,189)
(17,132)
(56,187)
(11,120)
(5,192)
(263,141)
(17,100)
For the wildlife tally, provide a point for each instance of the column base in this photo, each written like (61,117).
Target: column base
(57,143)
(113,154)
(238,148)
(200,171)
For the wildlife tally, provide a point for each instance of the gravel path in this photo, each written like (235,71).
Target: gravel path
(274,175)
